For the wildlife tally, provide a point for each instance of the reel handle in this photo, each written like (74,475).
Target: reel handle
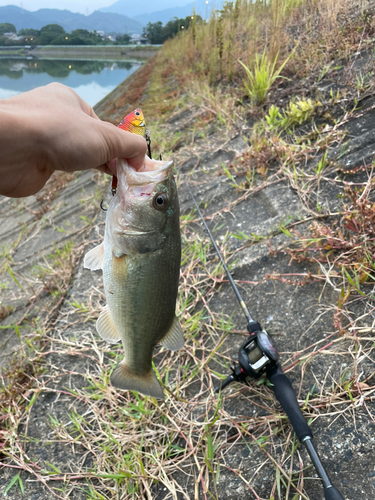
(287,398)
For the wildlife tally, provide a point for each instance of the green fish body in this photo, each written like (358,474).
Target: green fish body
(140,258)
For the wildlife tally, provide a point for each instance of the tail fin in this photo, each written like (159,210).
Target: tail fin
(123,378)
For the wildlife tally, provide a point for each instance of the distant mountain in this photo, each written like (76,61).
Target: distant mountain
(100,21)
(164,16)
(180,9)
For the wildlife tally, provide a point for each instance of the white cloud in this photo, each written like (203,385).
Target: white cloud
(93,92)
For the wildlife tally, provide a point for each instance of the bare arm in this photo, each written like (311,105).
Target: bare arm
(52,128)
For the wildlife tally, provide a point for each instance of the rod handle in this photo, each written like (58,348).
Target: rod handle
(287,398)
(332,493)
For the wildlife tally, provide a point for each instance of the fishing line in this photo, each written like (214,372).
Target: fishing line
(231,280)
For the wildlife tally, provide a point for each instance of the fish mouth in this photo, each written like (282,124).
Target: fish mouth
(130,230)
(152,171)
(133,232)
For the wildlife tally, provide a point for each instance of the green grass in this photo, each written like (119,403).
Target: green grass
(262,76)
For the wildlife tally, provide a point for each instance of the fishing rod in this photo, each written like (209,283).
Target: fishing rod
(259,356)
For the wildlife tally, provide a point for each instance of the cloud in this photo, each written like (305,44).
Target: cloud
(93,92)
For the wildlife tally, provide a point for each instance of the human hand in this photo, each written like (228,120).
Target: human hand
(52,128)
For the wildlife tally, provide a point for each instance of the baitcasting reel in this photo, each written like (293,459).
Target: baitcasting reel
(255,357)
(258,356)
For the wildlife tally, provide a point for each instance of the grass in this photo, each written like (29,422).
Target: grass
(261,78)
(129,446)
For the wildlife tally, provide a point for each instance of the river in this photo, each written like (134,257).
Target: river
(91,79)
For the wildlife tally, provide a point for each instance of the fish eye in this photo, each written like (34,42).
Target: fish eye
(160,201)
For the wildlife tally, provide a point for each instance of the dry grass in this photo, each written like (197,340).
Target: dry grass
(186,443)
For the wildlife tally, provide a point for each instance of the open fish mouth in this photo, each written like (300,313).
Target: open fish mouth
(151,172)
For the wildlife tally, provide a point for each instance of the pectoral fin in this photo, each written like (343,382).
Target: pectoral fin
(174,338)
(106,328)
(94,258)
(125,379)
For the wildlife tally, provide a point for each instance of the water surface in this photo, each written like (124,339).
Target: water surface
(91,79)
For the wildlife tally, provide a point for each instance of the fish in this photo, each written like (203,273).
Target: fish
(140,258)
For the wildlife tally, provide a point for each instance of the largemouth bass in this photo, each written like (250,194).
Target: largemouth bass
(140,258)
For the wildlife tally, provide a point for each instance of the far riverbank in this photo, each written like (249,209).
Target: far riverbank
(136,52)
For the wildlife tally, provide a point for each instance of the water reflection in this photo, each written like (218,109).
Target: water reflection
(91,79)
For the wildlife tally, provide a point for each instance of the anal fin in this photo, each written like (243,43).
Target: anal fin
(147,384)
(174,338)
(106,328)
(94,258)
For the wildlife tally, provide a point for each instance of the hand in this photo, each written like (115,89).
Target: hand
(52,128)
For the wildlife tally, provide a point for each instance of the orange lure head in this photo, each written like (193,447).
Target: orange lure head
(134,123)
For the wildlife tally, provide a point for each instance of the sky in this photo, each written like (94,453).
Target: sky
(82,6)
(86,7)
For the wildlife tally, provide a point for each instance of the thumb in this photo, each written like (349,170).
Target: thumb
(123,144)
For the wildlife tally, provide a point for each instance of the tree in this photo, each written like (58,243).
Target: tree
(157,33)
(172,27)
(52,28)
(29,32)
(7,28)
(70,40)
(50,32)
(82,33)
(154,32)
(123,40)
(89,37)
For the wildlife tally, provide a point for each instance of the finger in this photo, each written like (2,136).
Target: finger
(123,144)
(104,168)
(112,167)
(92,113)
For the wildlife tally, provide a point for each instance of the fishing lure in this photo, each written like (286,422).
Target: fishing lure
(134,123)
